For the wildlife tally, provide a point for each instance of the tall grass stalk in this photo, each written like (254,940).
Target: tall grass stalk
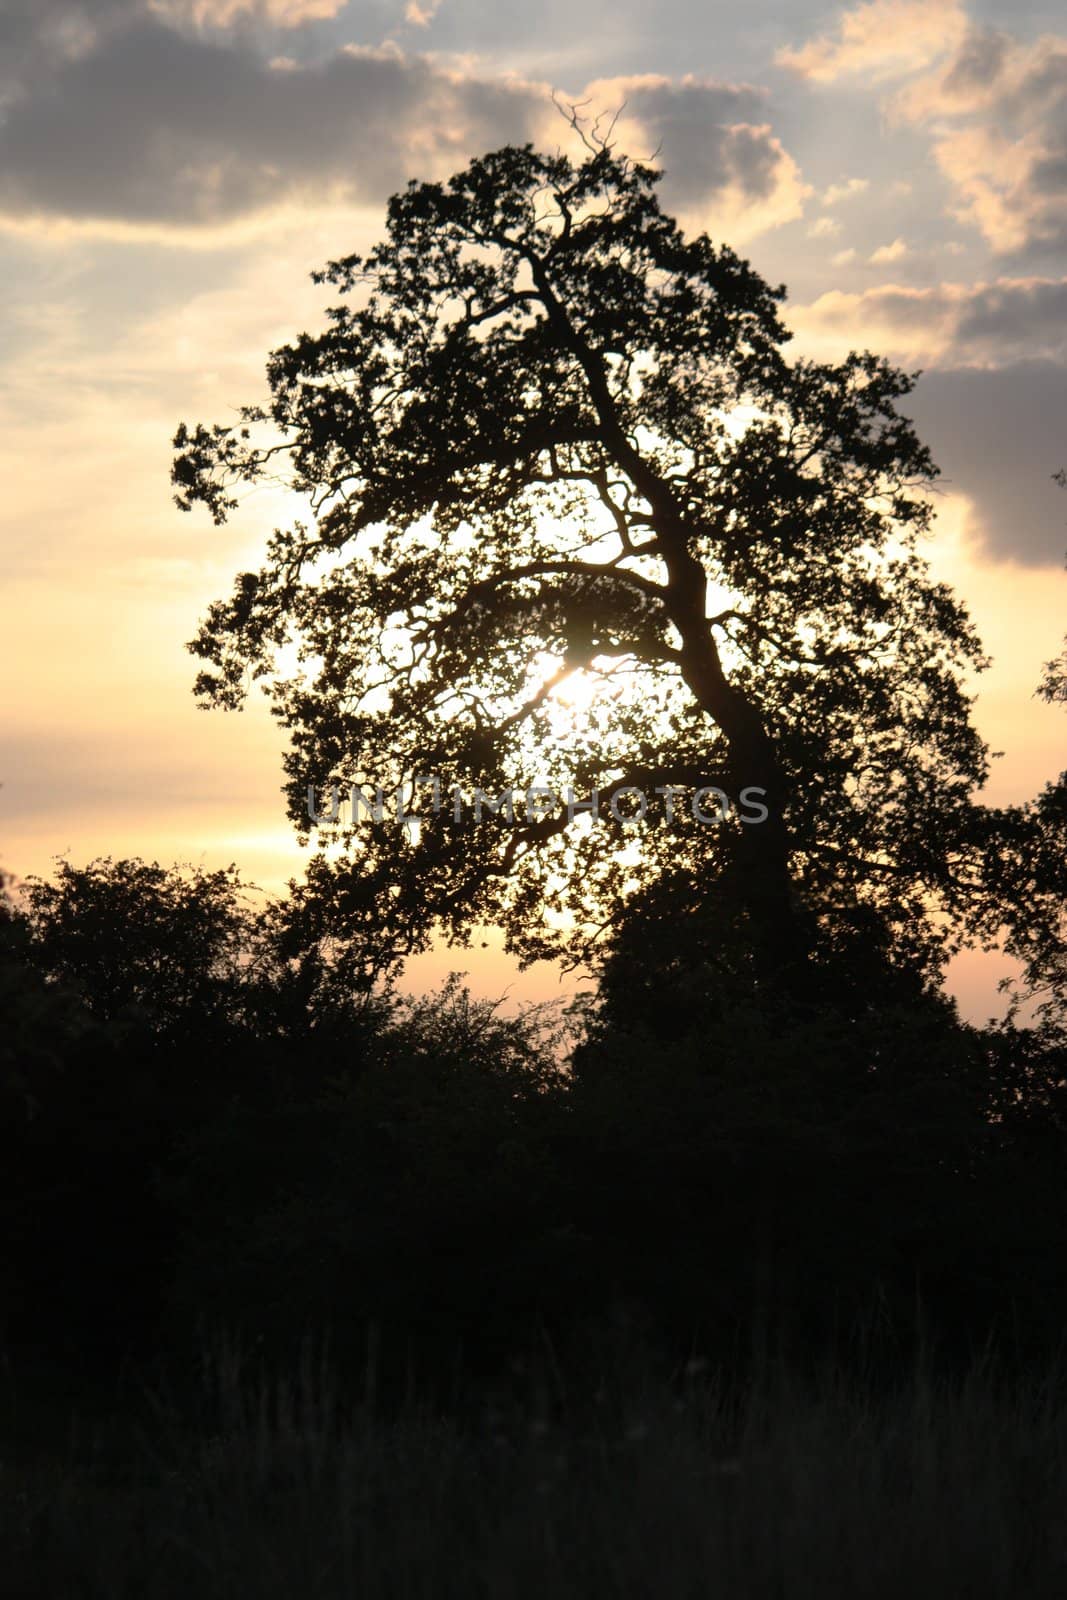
(640,1481)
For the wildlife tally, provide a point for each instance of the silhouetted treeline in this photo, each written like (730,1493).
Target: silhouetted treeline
(205,1125)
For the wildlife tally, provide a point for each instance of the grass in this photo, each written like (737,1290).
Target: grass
(673,1486)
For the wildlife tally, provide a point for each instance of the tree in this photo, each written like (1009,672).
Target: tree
(545,442)
(1053,685)
(42,1021)
(137,941)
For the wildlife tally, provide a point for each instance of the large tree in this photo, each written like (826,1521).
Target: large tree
(546,440)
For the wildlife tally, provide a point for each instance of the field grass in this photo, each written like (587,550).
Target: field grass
(642,1483)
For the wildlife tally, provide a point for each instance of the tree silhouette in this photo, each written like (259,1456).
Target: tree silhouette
(42,1020)
(138,941)
(546,437)
(1053,685)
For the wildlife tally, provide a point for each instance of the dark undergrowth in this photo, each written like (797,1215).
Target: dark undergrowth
(636,1478)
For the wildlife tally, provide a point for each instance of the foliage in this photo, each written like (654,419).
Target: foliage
(418,1190)
(545,436)
(139,941)
(307,1157)
(42,1020)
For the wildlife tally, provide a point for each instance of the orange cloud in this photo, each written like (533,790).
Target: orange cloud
(890,252)
(998,111)
(881,39)
(420,13)
(221,13)
(983,324)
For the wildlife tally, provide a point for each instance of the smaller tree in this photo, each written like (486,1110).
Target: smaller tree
(41,1022)
(140,942)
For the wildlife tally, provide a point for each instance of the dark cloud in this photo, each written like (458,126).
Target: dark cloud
(711,136)
(1026,315)
(60,24)
(723,165)
(22,20)
(989,324)
(998,435)
(152,124)
(35,33)
(978,62)
(160,126)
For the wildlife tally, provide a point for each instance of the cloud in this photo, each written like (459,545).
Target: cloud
(824,228)
(845,191)
(153,126)
(995,108)
(222,13)
(31,30)
(985,324)
(1016,316)
(844,258)
(887,253)
(148,126)
(998,436)
(725,169)
(880,39)
(421,15)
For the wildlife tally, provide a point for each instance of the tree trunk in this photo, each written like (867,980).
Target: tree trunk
(762,858)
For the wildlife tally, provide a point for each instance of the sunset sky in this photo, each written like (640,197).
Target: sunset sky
(172,170)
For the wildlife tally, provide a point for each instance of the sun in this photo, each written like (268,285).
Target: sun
(573,700)
(579,691)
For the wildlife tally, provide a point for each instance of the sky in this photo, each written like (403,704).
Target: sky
(171,172)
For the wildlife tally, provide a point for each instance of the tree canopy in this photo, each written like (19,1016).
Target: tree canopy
(135,940)
(577,520)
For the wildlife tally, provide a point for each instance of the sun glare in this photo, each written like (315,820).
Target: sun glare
(574,698)
(578,692)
